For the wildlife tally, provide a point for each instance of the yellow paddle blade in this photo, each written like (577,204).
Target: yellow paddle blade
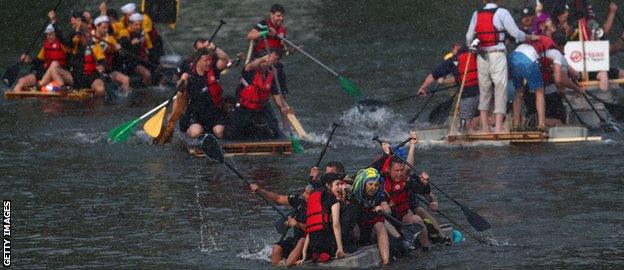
(153,126)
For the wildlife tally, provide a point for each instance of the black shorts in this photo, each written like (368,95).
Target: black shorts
(85,81)
(554,107)
(206,121)
(288,245)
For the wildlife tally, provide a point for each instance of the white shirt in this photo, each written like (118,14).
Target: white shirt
(503,21)
(531,53)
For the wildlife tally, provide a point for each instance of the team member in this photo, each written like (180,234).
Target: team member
(135,41)
(290,248)
(323,231)
(252,119)
(271,29)
(156,51)
(111,50)
(488,25)
(527,18)
(456,65)
(89,62)
(51,59)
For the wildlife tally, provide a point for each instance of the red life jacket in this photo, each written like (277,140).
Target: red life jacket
(485,29)
(399,197)
(317,218)
(254,95)
(90,63)
(274,42)
(214,86)
(472,77)
(542,45)
(53,51)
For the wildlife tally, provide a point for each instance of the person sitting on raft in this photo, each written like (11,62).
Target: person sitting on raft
(52,58)
(201,99)
(89,62)
(323,231)
(368,186)
(290,248)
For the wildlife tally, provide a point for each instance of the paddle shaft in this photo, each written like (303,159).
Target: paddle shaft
(387,216)
(602,120)
(614,109)
(413,119)
(280,212)
(454,222)
(155,109)
(401,144)
(578,117)
(308,55)
(34,41)
(331,135)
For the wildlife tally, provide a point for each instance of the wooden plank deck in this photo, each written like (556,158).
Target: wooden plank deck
(75,95)
(512,137)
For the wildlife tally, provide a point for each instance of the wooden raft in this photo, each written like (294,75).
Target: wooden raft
(75,95)
(259,148)
(513,137)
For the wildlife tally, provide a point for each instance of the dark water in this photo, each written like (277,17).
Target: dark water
(79,201)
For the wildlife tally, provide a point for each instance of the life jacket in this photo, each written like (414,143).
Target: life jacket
(53,51)
(485,29)
(274,42)
(214,86)
(399,197)
(90,63)
(141,48)
(472,77)
(542,45)
(107,49)
(370,217)
(317,218)
(254,95)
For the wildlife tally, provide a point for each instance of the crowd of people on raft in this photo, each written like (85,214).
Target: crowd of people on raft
(334,215)
(96,51)
(536,66)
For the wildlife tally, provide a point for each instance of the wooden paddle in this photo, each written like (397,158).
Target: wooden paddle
(153,126)
(478,222)
(10,75)
(210,145)
(461,90)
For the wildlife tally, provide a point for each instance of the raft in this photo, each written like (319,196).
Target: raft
(75,95)
(280,146)
(368,256)
(561,134)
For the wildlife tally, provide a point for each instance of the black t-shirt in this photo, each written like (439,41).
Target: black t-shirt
(414,187)
(448,67)
(199,98)
(300,206)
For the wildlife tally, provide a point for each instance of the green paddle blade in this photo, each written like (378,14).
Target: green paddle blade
(122,132)
(350,88)
(297,148)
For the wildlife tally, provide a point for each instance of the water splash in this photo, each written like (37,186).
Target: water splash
(262,255)
(89,138)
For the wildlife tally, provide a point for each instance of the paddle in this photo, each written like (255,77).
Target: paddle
(606,125)
(372,105)
(210,145)
(11,74)
(401,144)
(440,113)
(461,91)
(616,110)
(476,221)
(578,117)
(479,239)
(437,89)
(345,84)
(122,132)
(153,126)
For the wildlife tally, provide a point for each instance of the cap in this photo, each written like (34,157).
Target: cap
(128,8)
(49,29)
(528,11)
(101,19)
(136,17)
(328,178)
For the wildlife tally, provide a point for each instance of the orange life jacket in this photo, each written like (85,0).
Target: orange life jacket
(53,51)
(485,29)
(542,45)
(472,77)
(317,218)
(254,95)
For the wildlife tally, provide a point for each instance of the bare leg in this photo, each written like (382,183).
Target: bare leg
(423,237)
(195,130)
(276,256)
(473,124)
(485,123)
(540,105)
(424,214)
(379,231)
(29,79)
(121,78)
(517,109)
(145,73)
(218,131)
(498,125)
(603,78)
(98,87)
(296,253)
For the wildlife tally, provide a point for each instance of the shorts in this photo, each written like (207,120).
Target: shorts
(85,81)
(469,107)
(207,121)
(288,245)
(522,68)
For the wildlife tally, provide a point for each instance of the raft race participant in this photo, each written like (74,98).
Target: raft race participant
(201,99)
(111,49)
(270,29)
(291,248)
(156,50)
(489,25)
(134,40)
(456,65)
(323,239)
(88,62)
(252,118)
(51,62)
(402,192)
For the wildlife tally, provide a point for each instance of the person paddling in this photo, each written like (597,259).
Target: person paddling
(488,25)
(134,40)
(291,248)
(111,51)
(89,62)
